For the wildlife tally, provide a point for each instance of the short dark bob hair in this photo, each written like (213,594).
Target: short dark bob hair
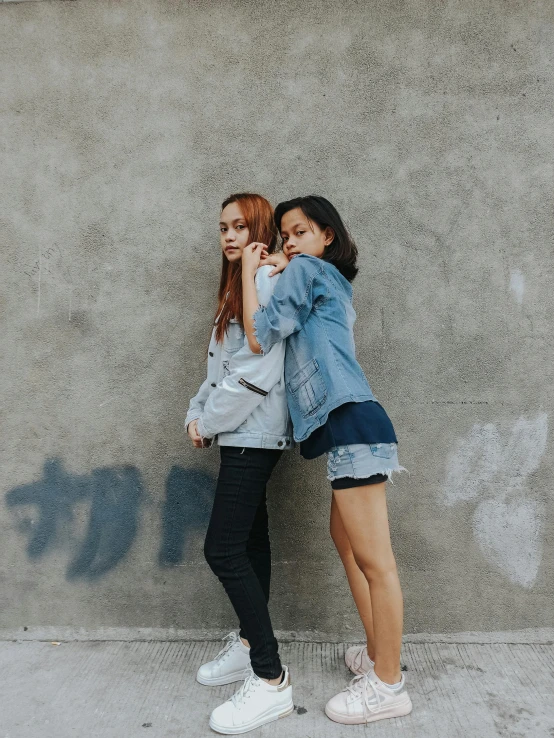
(342,252)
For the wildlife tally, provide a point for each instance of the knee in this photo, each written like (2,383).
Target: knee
(214,555)
(375,569)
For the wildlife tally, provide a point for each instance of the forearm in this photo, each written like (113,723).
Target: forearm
(249,306)
(196,404)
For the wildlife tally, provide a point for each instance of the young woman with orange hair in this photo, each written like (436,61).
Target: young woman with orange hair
(243,403)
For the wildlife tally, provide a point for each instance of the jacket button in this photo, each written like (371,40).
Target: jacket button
(213,384)
(211,353)
(280,443)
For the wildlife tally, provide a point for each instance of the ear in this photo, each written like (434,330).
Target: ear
(329,236)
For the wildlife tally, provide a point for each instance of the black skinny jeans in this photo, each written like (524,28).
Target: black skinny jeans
(238,551)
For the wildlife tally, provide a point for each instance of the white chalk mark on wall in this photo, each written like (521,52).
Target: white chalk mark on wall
(517,284)
(494,468)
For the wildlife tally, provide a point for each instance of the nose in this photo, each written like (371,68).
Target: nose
(229,237)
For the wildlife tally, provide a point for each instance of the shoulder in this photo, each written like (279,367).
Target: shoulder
(307,261)
(304,267)
(265,285)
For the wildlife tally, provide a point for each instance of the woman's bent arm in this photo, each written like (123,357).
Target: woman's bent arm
(250,379)
(288,309)
(196,405)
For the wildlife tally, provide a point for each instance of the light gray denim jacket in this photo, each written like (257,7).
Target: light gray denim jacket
(243,400)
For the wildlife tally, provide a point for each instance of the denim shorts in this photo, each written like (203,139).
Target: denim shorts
(361,461)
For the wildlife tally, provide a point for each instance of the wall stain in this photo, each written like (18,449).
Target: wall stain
(493,468)
(115,495)
(187,506)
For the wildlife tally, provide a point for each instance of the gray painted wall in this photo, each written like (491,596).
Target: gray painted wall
(124,125)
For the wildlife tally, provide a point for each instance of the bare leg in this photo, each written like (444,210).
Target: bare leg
(356,578)
(363,511)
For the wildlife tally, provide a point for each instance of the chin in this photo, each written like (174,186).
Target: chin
(233,258)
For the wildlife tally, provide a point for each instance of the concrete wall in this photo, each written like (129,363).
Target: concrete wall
(124,125)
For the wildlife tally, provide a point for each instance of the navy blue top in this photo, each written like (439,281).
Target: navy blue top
(353,422)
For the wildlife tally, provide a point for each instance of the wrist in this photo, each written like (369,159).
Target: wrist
(202,430)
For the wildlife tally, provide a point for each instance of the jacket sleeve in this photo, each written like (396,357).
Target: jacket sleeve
(196,405)
(291,303)
(251,377)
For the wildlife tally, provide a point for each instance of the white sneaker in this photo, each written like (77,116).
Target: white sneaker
(255,704)
(357,660)
(367,699)
(232,664)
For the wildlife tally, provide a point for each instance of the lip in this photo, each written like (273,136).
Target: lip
(231,248)
(293,254)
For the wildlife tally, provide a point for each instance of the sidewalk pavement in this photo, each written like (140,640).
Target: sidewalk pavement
(148,690)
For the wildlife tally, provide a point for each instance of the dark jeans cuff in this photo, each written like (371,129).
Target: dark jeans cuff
(268,674)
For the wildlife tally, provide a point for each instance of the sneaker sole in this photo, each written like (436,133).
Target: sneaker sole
(389,712)
(236,676)
(269,717)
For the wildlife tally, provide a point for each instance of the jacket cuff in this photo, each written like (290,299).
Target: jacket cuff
(202,429)
(189,419)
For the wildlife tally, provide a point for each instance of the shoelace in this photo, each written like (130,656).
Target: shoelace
(244,692)
(359,687)
(231,639)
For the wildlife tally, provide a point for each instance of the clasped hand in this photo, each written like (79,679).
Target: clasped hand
(255,255)
(197,440)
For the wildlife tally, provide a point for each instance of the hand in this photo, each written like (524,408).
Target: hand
(192,430)
(278,260)
(251,256)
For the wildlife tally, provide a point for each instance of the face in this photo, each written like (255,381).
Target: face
(303,236)
(233,232)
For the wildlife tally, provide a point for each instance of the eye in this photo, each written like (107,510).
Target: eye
(240,227)
(222,229)
(284,238)
(299,233)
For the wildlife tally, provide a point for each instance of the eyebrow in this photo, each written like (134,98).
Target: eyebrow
(236,220)
(294,226)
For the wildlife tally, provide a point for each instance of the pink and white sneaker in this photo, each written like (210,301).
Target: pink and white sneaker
(367,699)
(357,660)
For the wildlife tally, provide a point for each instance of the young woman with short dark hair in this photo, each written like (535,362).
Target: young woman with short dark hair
(335,412)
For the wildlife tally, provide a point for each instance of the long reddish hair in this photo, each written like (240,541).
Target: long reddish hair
(258,214)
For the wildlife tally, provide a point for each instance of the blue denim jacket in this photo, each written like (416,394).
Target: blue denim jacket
(312,308)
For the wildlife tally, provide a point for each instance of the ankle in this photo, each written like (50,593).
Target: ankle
(389,677)
(274,682)
(244,642)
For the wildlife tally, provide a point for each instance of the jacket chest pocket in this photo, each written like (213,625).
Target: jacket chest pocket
(234,338)
(308,389)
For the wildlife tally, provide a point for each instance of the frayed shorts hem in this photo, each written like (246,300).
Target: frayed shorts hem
(346,482)
(363,461)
